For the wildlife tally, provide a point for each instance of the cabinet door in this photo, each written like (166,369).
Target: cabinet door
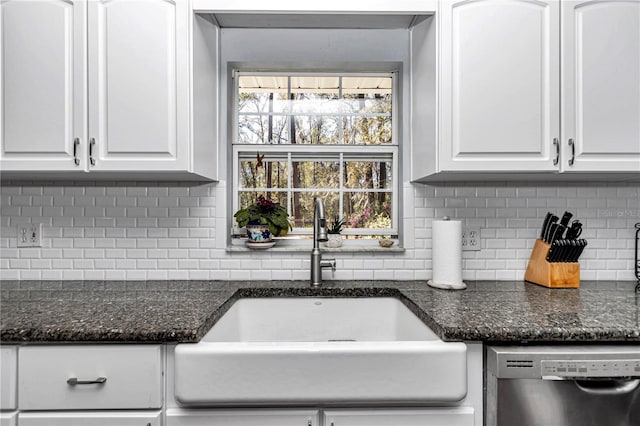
(111,418)
(42,84)
(457,416)
(8,377)
(182,417)
(138,96)
(601,86)
(499,100)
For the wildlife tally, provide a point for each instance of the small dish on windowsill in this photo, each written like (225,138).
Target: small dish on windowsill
(260,245)
(386,243)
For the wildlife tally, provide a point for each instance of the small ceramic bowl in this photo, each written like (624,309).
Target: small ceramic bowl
(385,243)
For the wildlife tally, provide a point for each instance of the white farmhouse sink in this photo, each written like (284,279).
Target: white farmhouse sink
(311,350)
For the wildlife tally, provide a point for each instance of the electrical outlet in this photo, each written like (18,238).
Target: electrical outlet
(30,235)
(471,239)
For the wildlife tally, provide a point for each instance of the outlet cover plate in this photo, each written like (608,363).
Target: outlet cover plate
(471,238)
(29,235)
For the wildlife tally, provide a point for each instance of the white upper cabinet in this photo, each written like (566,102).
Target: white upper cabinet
(601,86)
(43,85)
(500,105)
(138,102)
(103,86)
(500,72)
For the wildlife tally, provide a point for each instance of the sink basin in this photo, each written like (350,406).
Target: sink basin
(310,350)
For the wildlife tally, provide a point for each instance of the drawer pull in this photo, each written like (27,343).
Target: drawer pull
(92,143)
(74,381)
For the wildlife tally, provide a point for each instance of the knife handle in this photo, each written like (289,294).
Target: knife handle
(547,235)
(545,224)
(566,217)
(557,233)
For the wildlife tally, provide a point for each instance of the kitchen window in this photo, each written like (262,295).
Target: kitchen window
(330,135)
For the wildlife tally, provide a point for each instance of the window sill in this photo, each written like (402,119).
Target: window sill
(297,246)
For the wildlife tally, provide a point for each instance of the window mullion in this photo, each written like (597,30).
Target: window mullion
(340,129)
(341,188)
(289,109)
(289,183)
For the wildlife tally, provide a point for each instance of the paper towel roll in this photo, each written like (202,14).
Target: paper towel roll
(446,246)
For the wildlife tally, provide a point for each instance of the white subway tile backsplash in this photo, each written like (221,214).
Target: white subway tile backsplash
(177,231)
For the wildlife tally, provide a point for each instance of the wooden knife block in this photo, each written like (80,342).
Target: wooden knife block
(552,275)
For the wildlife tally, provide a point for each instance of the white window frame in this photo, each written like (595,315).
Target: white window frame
(317,150)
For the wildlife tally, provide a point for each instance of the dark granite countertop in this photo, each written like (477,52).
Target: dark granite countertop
(183,311)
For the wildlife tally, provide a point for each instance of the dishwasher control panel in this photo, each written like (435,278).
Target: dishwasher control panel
(591,368)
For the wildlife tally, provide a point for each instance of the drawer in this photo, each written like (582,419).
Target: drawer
(453,416)
(8,377)
(90,419)
(131,376)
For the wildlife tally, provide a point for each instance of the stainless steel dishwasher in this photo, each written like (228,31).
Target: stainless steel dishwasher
(562,385)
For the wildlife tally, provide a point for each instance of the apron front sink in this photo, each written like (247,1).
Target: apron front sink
(309,350)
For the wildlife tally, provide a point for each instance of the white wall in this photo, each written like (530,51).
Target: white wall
(133,231)
(176,231)
(380,50)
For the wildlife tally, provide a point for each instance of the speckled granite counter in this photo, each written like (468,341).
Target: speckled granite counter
(183,311)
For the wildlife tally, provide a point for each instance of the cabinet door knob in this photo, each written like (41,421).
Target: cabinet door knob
(572,145)
(92,143)
(76,143)
(556,144)
(73,381)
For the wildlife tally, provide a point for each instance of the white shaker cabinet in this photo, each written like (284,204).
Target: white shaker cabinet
(500,74)
(501,107)
(601,86)
(138,92)
(104,418)
(43,81)
(8,377)
(242,417)
(103,86)
(8,385)
(90,385)
(455,416)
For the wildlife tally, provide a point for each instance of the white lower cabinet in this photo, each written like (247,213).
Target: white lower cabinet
(91,419)
(242,417)
(8,378)
(90,377)
(454,416)
(8,419)
(88,385)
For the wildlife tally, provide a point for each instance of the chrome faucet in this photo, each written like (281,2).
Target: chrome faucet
(319,234)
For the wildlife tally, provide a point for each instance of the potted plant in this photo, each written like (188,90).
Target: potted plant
(334,229)
(264,220)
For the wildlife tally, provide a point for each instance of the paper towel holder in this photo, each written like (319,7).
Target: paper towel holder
(461,285)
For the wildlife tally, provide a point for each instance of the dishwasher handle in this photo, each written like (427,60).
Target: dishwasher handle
(607,387)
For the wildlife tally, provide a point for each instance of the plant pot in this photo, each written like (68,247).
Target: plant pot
(258,233)
(334,241)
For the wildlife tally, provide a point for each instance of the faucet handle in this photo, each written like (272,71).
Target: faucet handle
(328,263)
